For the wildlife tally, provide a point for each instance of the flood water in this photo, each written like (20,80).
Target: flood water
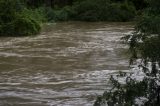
(68,64)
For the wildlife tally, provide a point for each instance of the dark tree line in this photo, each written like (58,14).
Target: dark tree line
(139,4)
(48,3)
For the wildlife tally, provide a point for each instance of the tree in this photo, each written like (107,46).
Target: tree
(144,45)
(13,20)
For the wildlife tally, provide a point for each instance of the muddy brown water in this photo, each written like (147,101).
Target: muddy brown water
(68,64)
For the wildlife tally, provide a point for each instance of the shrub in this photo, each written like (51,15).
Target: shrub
(87,10)
(21,26)
(37,14)
(144,45)
(15,20)
(26,26)
(104,10)
(58,14)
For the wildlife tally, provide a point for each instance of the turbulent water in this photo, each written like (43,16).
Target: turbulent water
(68,64)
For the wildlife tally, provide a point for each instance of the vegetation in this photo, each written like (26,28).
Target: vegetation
(93,10)
(144,45)
(15,21)
(24,17)
(104,10)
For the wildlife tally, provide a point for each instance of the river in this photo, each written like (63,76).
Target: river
(68,64)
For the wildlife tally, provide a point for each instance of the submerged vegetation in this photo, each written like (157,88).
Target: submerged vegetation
(142,86)
(24,17)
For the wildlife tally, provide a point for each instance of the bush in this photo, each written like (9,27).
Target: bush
(92,10)
(144,45)
(21,26)
(87,10)
(149,24)
(26,26)
(58,14)
(15,20)
(37,14)
(104,10)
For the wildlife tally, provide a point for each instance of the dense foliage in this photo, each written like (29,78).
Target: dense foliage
(15,21)
(89,10)
(144,45)
(23,17)
(96,10)
(103,10)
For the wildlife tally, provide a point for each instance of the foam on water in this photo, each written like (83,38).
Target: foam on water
(67,65)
